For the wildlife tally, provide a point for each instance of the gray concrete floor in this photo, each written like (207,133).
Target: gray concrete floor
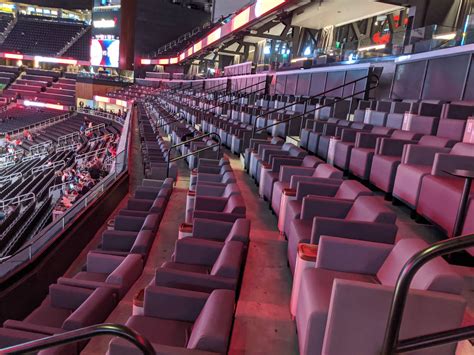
(263,323)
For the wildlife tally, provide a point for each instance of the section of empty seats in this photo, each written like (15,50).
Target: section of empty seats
(41,35)
(17,117)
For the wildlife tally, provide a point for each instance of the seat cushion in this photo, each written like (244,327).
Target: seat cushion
(186,267)
(91,276)
(161,331)
(48,316)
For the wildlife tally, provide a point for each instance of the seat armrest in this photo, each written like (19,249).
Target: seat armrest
(350,255)
(421,155)
(315,206)
(93,311)
(368,231)
(448,162)
(197,251)
(220,216)
(173,303)
(349,135)
(314,188)
(192,280)
(30,327)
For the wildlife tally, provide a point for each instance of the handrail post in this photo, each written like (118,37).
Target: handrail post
(404,280)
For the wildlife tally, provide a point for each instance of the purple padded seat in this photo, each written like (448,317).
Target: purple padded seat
(181,321)
(367,143)
(351,139)
(221,209)
(291,175)
(202,267)
(322,141)
(348,190)
(260,154)
(204,190)
(269,154)
(352,272)
(253,148)
(389,156)
(440,193)
(416,163)
(269,176)
(365,218)
(101,270)
(239,230)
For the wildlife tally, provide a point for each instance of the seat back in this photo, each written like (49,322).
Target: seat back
(359,115)
(436,275)
(452,129)
(423,124)
(229,261)
(327,171)
(434,141)
(240,231)
(394,120)
(370,209)
(211,330)
(68,297)
(378,118)
(351,189)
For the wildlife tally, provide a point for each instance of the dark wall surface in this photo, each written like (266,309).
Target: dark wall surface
(159,22)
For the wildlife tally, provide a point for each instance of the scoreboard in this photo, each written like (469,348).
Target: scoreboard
(106,29)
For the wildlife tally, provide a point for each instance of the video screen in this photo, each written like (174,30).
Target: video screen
(106,2)
(105,52)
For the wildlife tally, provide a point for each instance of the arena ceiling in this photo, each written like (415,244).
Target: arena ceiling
(62,4)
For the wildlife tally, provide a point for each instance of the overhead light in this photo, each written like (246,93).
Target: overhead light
(267,50)
(446,36)
(369,48)
(146,61)
(307,51)
(299,59)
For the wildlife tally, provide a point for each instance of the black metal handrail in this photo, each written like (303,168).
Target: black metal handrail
(353,94)
(168,152)
(236,98)
(309,98)
(86,333)
(391,344)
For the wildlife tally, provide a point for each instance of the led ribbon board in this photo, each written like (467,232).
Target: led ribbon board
(240,20)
